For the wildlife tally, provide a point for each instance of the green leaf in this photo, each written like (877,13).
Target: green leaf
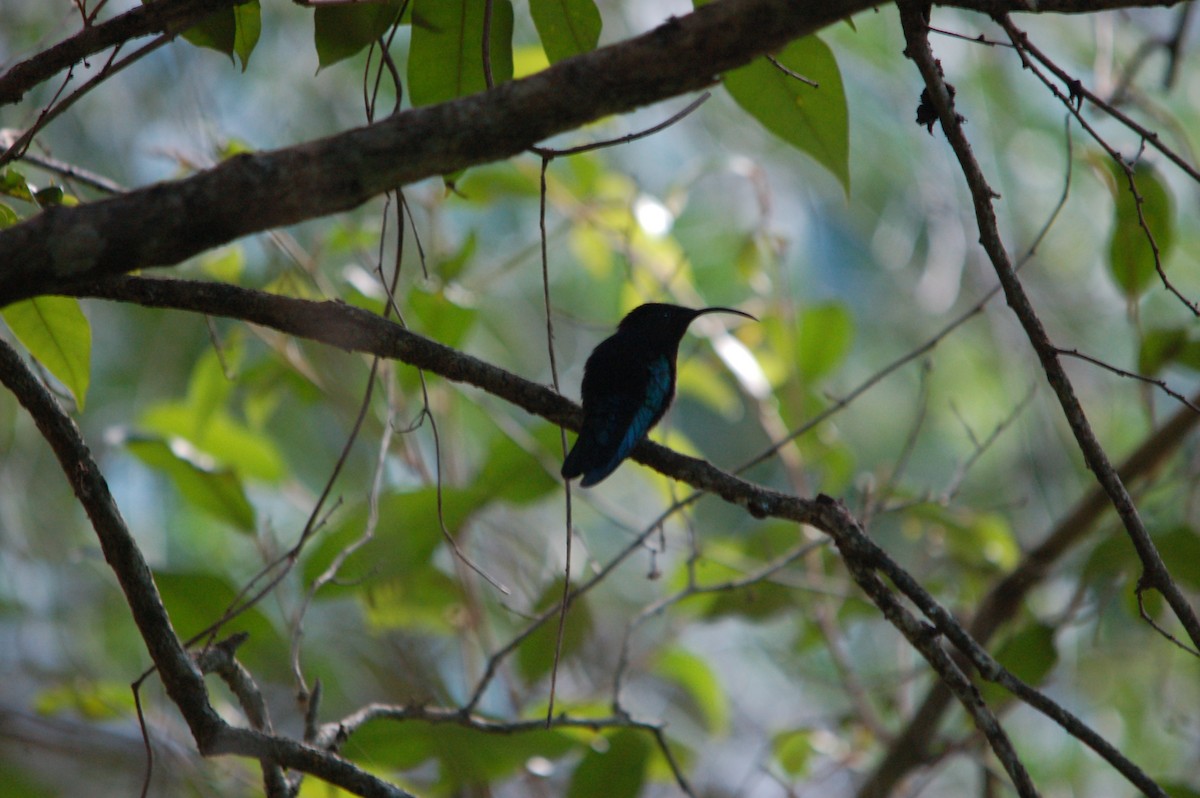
(13,184)
(25,777)
(8,217)
(1029,654)
(91,700)
(247,27)
(439,317)
(793,751)
(209,386)
(566,27)
(1109,560)
(535,655)
(813,120)
(225,264)
(217,492)
(195,600)
(1180,550)
(757,602)
(697,679)
(1165,346)
(452,265)
(48,197)
(1130,256)
(823,339)
(615,770)
(340,31)
(445,59)
(55,331)
(423,599)
(233,31)
(215,433)
(1159,347)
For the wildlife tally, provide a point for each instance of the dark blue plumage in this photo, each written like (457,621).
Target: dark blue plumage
(628,384)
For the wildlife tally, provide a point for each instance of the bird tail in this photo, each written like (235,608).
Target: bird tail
(573,465)
(588,460)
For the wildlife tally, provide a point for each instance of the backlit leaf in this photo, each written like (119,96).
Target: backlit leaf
(445,60)
(823,339)
(218,435)
(793,751)
(697,679)
(55,331)
(217,492)
(1131,258)
(13,184)
(233,31)
(813,120)
(89,699)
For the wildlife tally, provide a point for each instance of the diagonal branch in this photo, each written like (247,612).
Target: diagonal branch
(358,330)
(180,675)
(911,747)
(166,223)
(1155,574)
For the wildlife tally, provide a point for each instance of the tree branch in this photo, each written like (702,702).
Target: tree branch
(179,673)
(911,747)
(359,330)
(169,222)
(1155,574)
(164,224)
(163,16)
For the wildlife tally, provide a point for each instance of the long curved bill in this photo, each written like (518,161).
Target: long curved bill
(702,311)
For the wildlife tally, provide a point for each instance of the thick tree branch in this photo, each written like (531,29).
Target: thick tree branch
(928,643)
(179,673)
(166,223)
(169,222)
(995,7)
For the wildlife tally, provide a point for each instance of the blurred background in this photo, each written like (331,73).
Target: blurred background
(958,460)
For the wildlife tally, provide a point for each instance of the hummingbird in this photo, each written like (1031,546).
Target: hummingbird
(628,383)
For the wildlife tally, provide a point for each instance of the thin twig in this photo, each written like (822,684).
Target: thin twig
(1132,375)
(640,134)
(566,591)
(791,73)
(49,114)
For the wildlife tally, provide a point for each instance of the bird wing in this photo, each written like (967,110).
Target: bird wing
(617,422)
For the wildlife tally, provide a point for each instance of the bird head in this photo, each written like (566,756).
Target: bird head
(663,323)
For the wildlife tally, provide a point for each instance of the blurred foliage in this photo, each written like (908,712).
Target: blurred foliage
(823,210)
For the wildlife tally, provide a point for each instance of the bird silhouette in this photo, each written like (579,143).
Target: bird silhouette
(628,383)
